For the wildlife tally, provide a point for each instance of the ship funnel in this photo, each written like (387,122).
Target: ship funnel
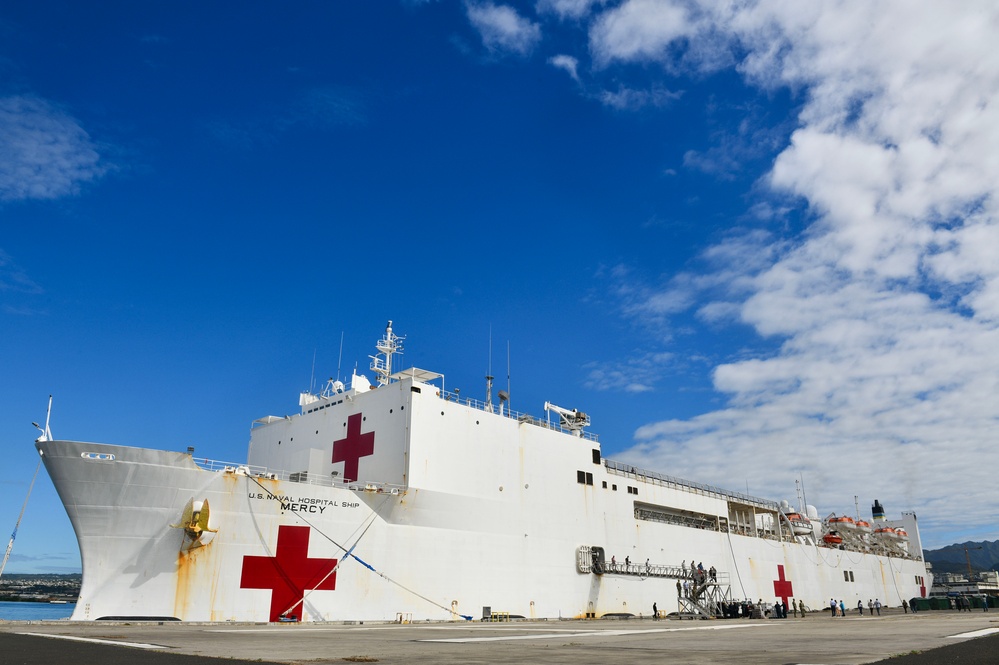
(878,511)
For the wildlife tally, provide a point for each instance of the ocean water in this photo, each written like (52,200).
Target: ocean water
(35,611)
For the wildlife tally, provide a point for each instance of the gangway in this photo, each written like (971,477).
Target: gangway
(698,592)
(707,598)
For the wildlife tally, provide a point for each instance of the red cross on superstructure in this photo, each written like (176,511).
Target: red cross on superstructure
(289,573)
(782,587)
(352,448)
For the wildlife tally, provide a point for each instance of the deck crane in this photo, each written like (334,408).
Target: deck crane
(570,419)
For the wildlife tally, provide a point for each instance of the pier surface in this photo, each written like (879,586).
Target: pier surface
(927,637)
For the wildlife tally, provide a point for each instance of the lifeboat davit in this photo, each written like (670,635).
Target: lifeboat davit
(832,539)
(843,522)
(800,524)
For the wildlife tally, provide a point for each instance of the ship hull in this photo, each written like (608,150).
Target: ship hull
(404,502)
(415,555)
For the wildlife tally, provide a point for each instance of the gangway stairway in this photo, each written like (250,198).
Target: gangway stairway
(708,598)
(701,595)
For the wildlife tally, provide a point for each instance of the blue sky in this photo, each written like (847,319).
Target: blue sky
(756,241)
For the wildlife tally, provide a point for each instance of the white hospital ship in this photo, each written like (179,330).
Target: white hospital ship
(401,501)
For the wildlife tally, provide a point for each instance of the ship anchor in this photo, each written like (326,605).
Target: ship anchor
(194,522)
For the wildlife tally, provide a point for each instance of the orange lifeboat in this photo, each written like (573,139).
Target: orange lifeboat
(887,532)
(832,538)
(843,522)
(902,534)
(863,526)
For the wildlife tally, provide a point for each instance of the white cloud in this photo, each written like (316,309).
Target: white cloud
(638,30)
(886,311)
(631,99)
(502,29)
(567,63)
(673,34)
(44,153)
(568,8)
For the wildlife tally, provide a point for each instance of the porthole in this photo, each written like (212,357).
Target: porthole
(390,410)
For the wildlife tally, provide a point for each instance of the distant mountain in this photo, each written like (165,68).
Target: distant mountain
(952,559)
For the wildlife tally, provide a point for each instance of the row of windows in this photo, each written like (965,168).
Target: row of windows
(323,406)
(585,478)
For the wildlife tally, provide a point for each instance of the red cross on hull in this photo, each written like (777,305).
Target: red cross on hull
(782,587)
(351,449)
(289,573)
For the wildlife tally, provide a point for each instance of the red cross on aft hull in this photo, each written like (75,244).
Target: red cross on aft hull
(782,587)
(352,448)
(289,573)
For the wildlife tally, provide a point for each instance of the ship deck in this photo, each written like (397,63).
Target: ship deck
(905,638)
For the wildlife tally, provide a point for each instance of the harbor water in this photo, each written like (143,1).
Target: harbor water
(17,611)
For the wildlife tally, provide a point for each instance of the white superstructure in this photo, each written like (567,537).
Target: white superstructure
(402,501)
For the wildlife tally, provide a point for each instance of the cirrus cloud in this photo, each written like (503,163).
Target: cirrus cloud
(44,152)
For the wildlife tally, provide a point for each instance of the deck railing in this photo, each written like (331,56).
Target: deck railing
(263,473)
(687,485)
(479,405)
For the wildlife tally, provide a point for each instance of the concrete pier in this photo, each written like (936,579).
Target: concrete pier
(816,639)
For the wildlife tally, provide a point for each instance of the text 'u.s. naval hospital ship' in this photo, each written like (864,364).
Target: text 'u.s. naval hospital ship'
(402,501)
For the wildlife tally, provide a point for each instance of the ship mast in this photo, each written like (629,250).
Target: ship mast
(489,374)
(388,345)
